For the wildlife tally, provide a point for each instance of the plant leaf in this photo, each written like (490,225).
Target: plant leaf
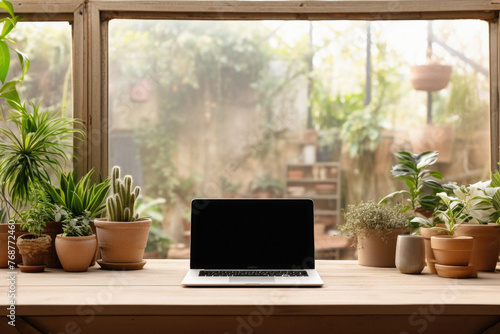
(4,61)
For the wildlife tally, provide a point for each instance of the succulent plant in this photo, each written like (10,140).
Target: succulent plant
(122,203)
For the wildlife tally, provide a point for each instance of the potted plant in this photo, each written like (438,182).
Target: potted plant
(267,187)
(80,197)
(122,236)
(35,245)
(452,252)
(77,244)
(482,201)
(375,227)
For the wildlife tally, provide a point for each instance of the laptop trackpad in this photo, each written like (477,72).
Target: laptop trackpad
(247,279)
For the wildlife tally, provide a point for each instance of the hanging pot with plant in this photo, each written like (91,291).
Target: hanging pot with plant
(122,236)
(375,227)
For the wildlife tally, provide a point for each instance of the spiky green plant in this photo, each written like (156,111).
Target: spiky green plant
(34,149)
(121,206)
(79,196)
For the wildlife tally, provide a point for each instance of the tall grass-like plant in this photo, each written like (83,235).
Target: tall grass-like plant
(33,149)
(79,197)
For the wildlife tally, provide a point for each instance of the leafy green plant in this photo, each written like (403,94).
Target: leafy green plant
(158,239)
(78,226)
(121,205)
(495,198)
(412,169)
(8,89)
(362,132)
(79,196)
(365,216)
(267,183)
(28,155)
(40,212)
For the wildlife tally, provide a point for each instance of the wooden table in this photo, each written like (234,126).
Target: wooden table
(354,299)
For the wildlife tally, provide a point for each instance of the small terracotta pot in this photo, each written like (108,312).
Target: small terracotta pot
(122,242)
(34,250)
(427,233)
(53,229)
(5,236)
(410,254)
(451,250)
(486,244)
(373,251)
(76,253)
(325,189)
(296,174)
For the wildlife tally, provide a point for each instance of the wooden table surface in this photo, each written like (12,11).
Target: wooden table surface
(349,291)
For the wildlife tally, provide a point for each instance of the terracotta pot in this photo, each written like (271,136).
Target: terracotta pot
(430,77)
(325,189)
(53,229)
(122,241)
(427,233)
(4,244)
(486,244)
(373,251)
(410,254)
(94,259)
(76,253)
(34,250)
(451,250)
(296,174)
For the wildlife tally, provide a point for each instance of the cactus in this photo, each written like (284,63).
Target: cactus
(121,205)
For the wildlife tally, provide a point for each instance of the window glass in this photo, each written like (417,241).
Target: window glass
(292,109)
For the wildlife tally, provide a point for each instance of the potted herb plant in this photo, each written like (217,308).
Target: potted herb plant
(375,227)
(452,252)
(122,236)
(77,244)
(34,246)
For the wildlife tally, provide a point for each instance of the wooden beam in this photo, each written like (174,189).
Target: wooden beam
(494,93)
(350,6)
(80,91)
(97,142)
(157,15)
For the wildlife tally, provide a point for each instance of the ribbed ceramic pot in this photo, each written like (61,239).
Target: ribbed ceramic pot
(122,242)
(410,254)
(377,251)
(486,246)
(76,253)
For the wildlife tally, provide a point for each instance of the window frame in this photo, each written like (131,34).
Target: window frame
(89,19)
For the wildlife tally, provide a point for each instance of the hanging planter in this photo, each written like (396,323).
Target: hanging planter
(430,77)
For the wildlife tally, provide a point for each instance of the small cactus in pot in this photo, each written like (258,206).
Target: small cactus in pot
(121,206)
(122,236)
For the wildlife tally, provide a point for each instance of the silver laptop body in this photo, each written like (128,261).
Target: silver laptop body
(252,242)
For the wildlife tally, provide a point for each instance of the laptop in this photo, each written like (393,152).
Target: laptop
(252,242)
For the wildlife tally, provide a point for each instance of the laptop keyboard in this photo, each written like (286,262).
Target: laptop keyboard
(280,273)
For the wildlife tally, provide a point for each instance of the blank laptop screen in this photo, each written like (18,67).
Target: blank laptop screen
(252,234)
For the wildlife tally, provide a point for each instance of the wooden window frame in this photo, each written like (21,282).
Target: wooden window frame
(90,52)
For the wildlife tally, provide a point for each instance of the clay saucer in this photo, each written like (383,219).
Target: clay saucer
(456,271)
(31,269)
(121,265)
